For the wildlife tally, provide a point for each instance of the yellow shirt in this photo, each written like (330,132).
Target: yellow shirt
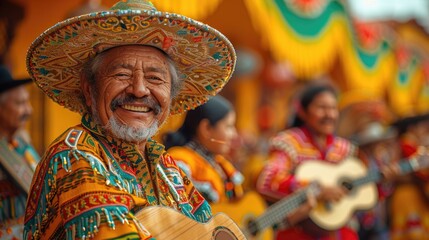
(217,179)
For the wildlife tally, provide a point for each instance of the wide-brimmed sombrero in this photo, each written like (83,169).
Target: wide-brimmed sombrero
(204,57)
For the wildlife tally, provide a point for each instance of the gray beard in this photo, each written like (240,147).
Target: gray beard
(130,134)
(124,132)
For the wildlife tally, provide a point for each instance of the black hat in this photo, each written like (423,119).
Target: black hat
(7,82)
(403,123)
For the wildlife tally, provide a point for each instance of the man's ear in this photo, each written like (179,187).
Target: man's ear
(86,89)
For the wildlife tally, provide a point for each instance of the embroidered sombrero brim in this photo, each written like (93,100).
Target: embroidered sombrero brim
(204,57)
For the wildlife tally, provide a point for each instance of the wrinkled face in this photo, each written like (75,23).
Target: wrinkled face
(132,91)
(222,135)
(15,109)
(322,114)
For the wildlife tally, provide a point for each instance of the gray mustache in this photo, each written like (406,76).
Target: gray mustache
(129,99)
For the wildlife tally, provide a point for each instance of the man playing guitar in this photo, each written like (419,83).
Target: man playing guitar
(311,138)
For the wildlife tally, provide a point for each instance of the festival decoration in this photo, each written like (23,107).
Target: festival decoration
(367,62)
(307,34)
(195,9)
(404,88)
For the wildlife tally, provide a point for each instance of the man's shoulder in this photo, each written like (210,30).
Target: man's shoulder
(187,155)
(288,135)
(181,151)
(344,141)
(345,146)
(290,132)
(76,137)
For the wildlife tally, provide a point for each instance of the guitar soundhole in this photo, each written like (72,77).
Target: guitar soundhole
(223,233)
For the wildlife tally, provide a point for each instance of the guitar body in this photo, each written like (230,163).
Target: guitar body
(332,216)
(250,206)
(167,224)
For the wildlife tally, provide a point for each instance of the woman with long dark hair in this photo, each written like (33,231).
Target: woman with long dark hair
(200,146)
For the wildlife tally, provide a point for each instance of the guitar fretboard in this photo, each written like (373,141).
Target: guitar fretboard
(276,213)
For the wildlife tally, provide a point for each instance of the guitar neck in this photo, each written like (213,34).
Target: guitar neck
(276,213)
(405,166)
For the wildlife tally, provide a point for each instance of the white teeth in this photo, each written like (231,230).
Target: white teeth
(135,108)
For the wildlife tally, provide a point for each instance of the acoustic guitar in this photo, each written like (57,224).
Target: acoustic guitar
(16,166)
(255,219)
(353,175)
(167,224)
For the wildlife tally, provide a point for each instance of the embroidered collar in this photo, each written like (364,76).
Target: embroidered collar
(329,140)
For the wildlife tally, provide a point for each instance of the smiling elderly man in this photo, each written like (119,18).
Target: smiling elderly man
(125,70)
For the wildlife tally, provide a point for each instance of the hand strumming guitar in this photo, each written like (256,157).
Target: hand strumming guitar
(298,215)
(331,193)
(390,172)
(303,211)
(326,194)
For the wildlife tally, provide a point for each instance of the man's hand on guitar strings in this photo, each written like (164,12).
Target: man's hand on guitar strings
(311,199)
(298,215)
(390,172)
(332,193)
(302,211)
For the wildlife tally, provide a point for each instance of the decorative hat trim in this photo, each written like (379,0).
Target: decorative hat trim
(204,57)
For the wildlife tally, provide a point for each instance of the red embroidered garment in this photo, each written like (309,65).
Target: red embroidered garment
(289,149)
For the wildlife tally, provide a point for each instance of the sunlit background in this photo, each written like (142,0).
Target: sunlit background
(374,51)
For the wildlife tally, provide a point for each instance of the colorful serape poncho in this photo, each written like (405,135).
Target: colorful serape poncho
(213,175)
(89,186)
(12,197)
(288,149)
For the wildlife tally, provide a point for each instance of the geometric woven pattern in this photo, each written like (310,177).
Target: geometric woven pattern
(204,57)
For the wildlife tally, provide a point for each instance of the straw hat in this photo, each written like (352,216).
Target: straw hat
(7,82)
(204,57)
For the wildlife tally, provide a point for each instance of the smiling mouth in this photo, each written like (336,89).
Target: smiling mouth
(136,108)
